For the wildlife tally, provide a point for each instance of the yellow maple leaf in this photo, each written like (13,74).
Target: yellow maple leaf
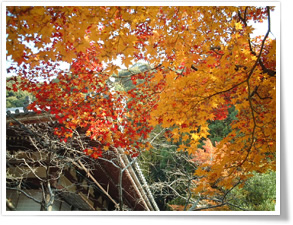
(238,26)
(195,136)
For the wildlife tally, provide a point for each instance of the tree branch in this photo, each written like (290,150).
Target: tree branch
(249,91)
(26,194)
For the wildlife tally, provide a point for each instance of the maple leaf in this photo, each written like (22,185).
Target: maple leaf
(195,136)
(238,26)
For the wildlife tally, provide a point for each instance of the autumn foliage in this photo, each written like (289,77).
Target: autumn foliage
(202,60)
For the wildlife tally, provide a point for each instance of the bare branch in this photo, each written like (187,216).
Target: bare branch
(26,194)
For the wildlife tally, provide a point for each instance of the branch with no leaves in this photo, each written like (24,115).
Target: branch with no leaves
(26,194)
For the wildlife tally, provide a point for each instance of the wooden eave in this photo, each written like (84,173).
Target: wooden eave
(132,188)
(29,118)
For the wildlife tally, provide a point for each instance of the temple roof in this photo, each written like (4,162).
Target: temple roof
(135,186)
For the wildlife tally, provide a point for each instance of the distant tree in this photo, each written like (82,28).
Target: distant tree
(257,194)
(169,172)
(15,97)
(220,129)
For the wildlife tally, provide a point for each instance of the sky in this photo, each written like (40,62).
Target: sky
(261,28)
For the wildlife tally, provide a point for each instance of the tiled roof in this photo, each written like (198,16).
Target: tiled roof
(15,110)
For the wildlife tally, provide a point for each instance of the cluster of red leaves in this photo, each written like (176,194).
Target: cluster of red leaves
(143,31)
(83,98)
(221,112)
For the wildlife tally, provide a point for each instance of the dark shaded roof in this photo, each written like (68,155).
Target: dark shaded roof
(135,188)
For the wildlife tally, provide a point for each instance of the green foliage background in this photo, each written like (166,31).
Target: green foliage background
(258,193)
(15,99)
